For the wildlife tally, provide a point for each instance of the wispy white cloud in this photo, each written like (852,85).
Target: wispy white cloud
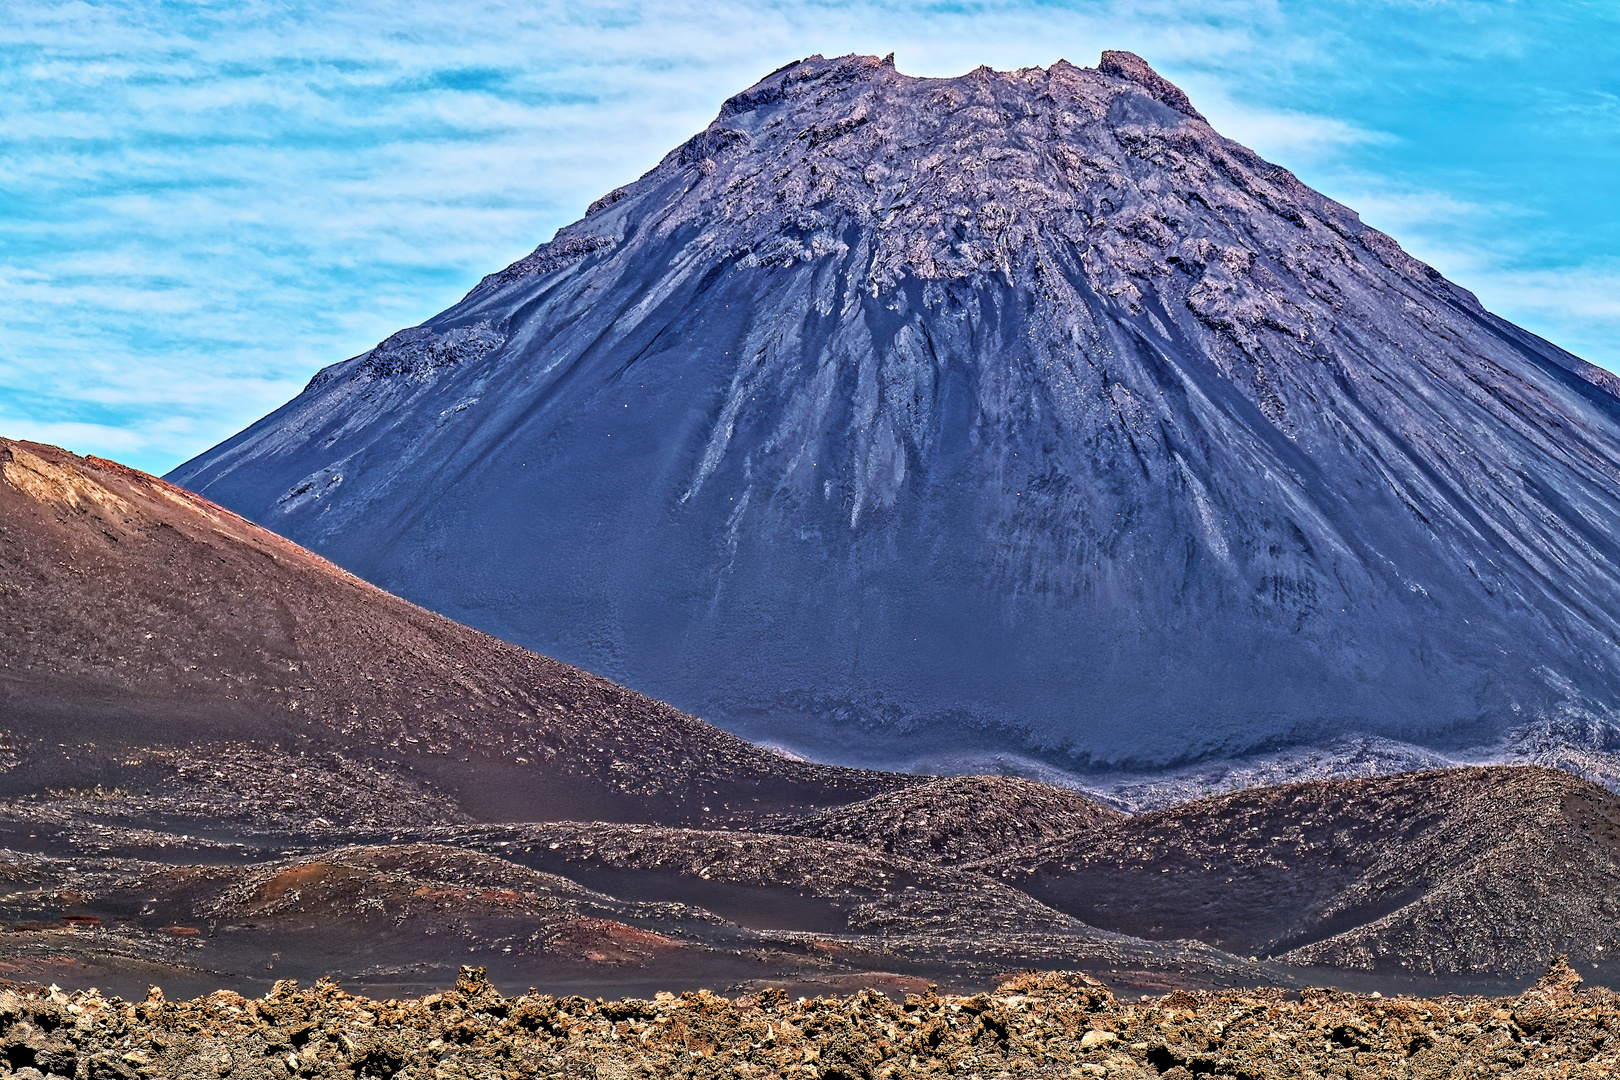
(105,440)
(1406,210)
(1586,292)
(1284,136)
(1574,304)
(201,204)
(1576,307)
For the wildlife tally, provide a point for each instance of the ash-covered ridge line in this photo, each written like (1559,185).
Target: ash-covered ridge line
(1016,412)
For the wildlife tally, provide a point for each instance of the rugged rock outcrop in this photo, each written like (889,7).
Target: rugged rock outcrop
(1020,409)
(1041,1026)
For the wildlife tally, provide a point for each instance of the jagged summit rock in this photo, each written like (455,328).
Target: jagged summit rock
(1127,65)
(1017,410)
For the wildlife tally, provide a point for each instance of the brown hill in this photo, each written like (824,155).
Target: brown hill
(195,713)
(956,819)
(138,617)
(1475,870)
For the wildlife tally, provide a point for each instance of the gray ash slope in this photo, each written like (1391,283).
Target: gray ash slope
(1019,409)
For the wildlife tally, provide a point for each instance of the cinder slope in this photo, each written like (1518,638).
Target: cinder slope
(1489,870)
(137,616)
(957,819)
(1020,408)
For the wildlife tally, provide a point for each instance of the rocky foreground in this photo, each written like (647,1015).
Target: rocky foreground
(1034,1025)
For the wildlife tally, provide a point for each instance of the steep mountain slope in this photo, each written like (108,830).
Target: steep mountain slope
(1466,870)
(223,759)
(154,640)
(1015,410)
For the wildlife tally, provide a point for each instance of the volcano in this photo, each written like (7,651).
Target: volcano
(891,417)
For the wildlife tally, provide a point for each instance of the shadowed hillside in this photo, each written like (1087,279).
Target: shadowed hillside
(1466,870)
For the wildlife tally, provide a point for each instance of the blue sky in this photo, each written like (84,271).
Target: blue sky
(201,203)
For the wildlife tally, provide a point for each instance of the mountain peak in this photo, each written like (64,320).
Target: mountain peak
(1005,173)
(1129,66)
(1017,411)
